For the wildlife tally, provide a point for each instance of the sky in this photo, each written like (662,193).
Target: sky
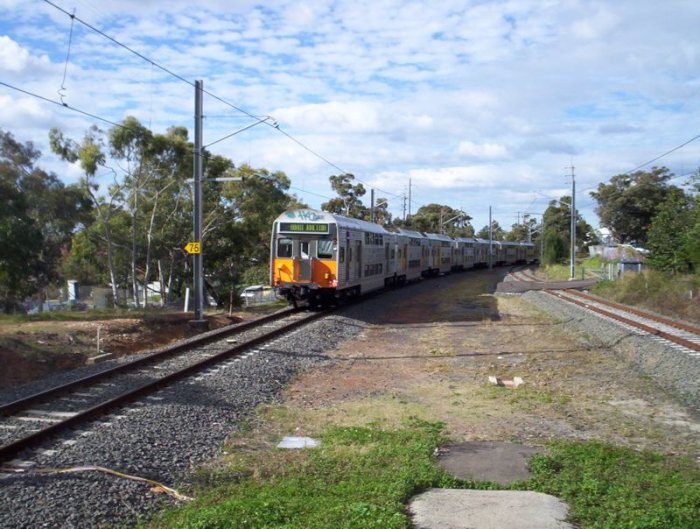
(475,103)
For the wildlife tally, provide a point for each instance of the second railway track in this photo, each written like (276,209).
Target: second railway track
(680,334)
(31,421)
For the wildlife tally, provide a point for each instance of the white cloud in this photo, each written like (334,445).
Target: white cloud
(477,102)
(14,59)
(485,150)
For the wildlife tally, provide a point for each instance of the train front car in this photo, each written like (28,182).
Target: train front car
(304,256)
(319,257)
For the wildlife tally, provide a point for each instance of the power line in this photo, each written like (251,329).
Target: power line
(61,104)
(211,94)
(664,154)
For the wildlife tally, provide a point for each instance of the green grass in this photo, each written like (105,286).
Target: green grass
(363,477)
(360,478)
(609,487)
(677,296)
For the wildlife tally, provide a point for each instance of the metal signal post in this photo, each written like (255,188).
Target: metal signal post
(198,279)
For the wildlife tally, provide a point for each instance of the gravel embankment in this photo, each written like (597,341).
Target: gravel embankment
(163,438)
(670,366)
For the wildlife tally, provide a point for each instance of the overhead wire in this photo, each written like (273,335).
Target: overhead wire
(664,154)
(61,91)
(211,94)
(61,104)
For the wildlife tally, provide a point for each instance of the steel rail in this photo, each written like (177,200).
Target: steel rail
(651,330)
(643,314)
(11,450)
(159,355)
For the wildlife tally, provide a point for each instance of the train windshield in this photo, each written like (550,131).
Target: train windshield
(325,249)
(284,247)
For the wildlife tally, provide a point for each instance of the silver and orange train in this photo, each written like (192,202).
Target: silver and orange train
(319,257)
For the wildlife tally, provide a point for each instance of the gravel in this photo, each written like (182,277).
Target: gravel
(672,367)
(162,438)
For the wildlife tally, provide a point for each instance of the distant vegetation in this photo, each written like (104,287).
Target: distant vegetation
(127,220)
(125,223)
(677,295)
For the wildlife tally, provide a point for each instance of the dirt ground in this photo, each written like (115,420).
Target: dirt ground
(433,360)
(33,350)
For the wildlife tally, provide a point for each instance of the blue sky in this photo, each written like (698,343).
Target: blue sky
(478,102)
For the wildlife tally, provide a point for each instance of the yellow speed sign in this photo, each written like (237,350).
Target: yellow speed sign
(193,247)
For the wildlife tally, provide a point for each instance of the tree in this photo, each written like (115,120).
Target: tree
(523,231)
(672,238)
(37,220)
(556,223)
(629,202)
(348,202)
(438,218)
(497,233)
(90,153)
(240,249)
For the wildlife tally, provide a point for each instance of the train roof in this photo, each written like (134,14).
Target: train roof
(410,233)
(438,237)
(311,215)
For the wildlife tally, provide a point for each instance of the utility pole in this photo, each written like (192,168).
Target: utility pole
(573,226)
(371,209)
(404,206)
(409,197)
(490,241)
(198,279)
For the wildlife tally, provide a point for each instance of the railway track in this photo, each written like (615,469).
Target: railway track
(31,421)
(525,276)
(680,335)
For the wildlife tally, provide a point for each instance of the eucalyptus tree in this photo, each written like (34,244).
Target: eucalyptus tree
(348,202)
(90,154)
(240,247)
(496,233)
(438,218)
(37,219)
(628,203)
(556,230)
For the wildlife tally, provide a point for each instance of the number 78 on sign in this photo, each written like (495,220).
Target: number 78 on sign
(193,247)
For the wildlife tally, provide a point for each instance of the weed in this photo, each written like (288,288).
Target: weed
(610,487)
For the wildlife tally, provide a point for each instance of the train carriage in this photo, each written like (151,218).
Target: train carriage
(440,254)
(410,254)
(318,256)
(465,253)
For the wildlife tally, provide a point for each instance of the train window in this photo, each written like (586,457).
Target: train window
(304,250)
(284,247)
(324,249)
(341,255)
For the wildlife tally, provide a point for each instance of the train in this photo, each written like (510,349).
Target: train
(319,258)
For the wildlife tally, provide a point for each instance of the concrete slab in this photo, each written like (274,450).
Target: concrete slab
(503,463)
(477,509)
(298,442)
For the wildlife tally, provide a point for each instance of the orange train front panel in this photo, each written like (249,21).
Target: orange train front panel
(284,271)
(324,273)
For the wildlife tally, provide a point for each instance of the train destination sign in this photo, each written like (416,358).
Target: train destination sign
(302,227)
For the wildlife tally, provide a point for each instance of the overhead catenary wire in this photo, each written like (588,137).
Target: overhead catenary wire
(61,91)
(61,104)
(214,96)
(663,155)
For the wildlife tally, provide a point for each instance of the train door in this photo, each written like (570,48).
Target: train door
(348,258)
(305,261)
(358,251)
